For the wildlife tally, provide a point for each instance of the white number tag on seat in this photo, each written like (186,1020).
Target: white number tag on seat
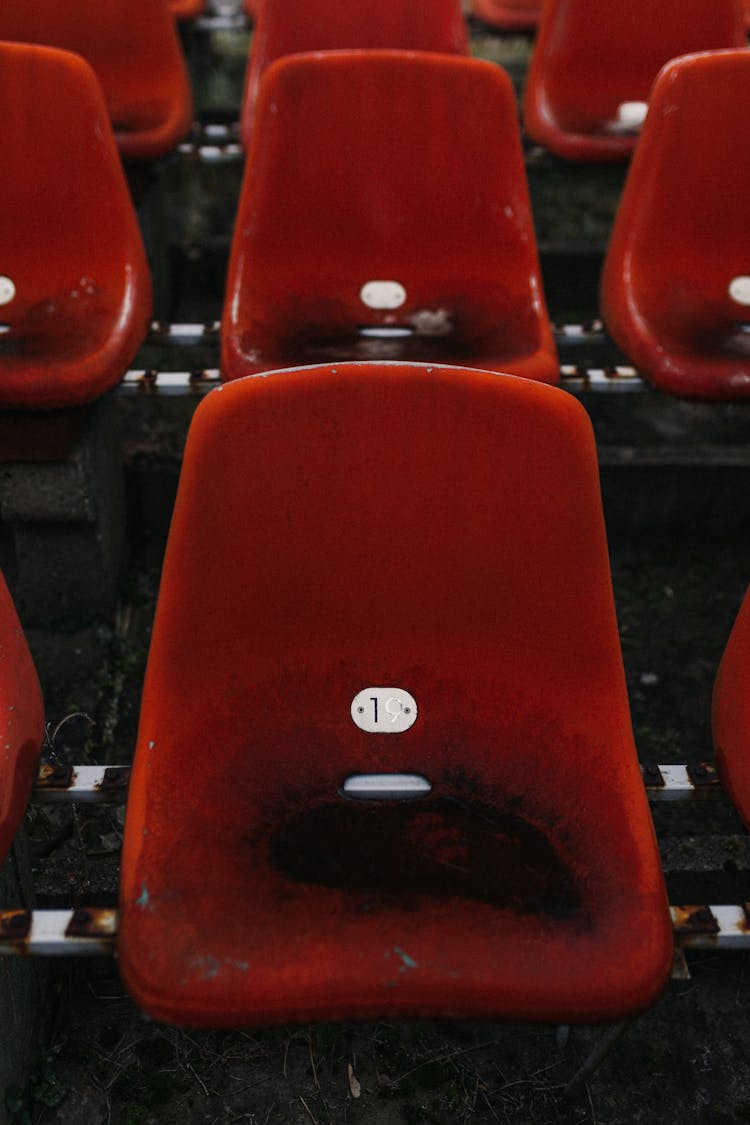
(384,710)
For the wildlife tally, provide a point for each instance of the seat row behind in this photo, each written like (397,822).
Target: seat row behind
(407,168)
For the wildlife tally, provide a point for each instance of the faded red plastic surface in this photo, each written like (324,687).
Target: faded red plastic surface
(509,15)
(385,166)
(731,714)
(288,27)
(75,283)
(593,56)
(250,8)
(187,9)
(21,721)
(681,236)
(421,527)
(135,51)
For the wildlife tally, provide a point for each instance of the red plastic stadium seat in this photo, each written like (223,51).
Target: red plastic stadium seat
(731,714)
(187,9)
(288,27)
(75,291)
(135,51)
(21,722)
(595,60)
(676,282)
(509,15)
(389,543)
(385,215)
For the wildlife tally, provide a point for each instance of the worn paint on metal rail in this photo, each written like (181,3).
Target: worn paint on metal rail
(83,932)
(163,332)
(680,782)
(59,782)
(90,784)
(573,378)
(711,927)
(88,931)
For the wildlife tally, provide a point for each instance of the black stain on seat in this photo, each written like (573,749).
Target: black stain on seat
(443,847)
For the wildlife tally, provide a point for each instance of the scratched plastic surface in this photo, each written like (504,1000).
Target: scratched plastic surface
(135,51)
(420,527)
(592,57)
(385,166)
(287,27)
(676,282)
(508,15)
(731,714)
(21,721)
(75,292)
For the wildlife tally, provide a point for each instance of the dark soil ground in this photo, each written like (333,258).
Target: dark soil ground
(687,1060)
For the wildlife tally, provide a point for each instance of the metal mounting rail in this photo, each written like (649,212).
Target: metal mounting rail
(109,784)
(572,378)
(163,332)
(88,784)
(92,931)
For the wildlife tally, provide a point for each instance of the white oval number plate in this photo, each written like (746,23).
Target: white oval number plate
(739,289)
(7,290)
(384,710)
(382,294)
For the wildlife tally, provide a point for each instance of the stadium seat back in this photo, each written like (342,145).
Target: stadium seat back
(287,27)
(21,721)
(385,214)
(676,283)
(595,61)
(75,291)
(508,15)
(731,714)
(393,587)
(135,52)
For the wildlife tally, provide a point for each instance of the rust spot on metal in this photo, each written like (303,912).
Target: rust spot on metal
(703,775)
(441,847)
(55,776)
(114,780)
(15,925)
(198,378)
(90,922)
(148,381)
(653,778)
(745,923)
(694,920)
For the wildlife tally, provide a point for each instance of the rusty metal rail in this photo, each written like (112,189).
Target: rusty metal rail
(162,332)
(88,784)
(89,931)
(711,927)
(109,784)
(573,377)
(84,932)
(92,931)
